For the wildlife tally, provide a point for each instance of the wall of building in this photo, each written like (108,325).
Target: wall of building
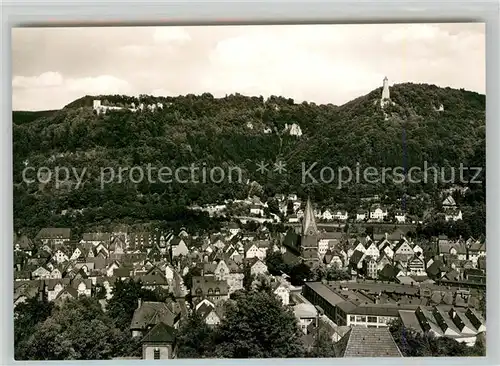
(369,320)
(148,351)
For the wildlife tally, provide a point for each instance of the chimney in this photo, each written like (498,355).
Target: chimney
(139,303)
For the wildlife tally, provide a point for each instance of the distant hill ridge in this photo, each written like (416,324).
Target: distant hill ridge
(216,131)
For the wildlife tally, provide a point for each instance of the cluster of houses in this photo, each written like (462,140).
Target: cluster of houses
(394,256)
(386,256)
(57,266)
(291,210)
(391,276)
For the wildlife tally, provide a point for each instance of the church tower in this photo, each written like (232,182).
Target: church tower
(309,251)
(385,90)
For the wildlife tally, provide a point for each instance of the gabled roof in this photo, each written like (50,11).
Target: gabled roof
(368,342)
(436,268)
(24,242)
(477,247)
(175,240)
(400,243)
(209,283)
(54,233)
(389,272)
(449,201)
(160,333)
(291,239)
(96,236)
(209,268)
(152,280)
(331,235)
(445,247)
(204,310)
(327,258)
(152,313)
(356,257)
(67,291)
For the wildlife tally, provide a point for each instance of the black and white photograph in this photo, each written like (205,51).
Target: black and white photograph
(250,191)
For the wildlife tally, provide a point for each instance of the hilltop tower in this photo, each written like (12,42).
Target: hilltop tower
(385,90)
(309,251)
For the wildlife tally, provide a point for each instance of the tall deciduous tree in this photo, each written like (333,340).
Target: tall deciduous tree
(27,316)
(126,295)
(195,338)
(323,346)
(78,330)
(256,325)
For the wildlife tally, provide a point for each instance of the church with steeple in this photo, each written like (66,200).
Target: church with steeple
(302,243)
(309,251)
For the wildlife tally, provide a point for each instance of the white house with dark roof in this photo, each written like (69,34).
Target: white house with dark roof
(340,215)
(453,215)
(449,203)
(400,217)
(378,213)
(178,247)
(326,215)
(361,215)
(60,256)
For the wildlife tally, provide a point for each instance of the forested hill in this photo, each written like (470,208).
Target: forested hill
(440,125)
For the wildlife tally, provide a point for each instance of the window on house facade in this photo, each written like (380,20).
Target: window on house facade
(372,319)
(361,318)
(352,318)
(384,319)
(156,355)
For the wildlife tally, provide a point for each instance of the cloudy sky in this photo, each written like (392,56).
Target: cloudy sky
(320,63)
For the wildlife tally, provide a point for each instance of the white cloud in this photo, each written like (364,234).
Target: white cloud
(30,93)
(161,93)
(412,32)
(171,34)
(267,64)
(45,80)
(103,84)
(320,63)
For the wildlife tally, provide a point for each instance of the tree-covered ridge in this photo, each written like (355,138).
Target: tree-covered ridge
(215,131)
(20,117)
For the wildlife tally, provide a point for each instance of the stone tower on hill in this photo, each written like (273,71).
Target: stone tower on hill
(385,90)
(386,96)
(309,251)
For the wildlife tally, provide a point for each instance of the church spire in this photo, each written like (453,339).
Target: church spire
(309,227)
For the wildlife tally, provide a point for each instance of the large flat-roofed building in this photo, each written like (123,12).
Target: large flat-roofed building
(367,304)
(319,294)
(352,308)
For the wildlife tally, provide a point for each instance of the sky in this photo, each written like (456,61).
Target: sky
(317,63)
